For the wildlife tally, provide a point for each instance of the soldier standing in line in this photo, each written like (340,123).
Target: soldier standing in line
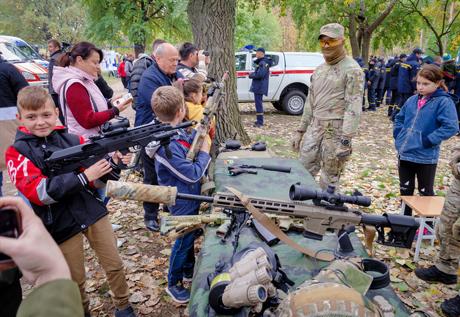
(381,83)
(372,84)
(394,82)
(332,111)
(448,233)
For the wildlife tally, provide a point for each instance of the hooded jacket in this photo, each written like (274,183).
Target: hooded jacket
(83,104)
(139,66)
(418,132)
(260,76)
(406,75)
(177,171)
(66,203)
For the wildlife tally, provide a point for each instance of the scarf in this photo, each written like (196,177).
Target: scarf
(333,55)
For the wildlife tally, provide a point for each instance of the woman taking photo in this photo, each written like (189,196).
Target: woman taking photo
(84,107)
(425,120)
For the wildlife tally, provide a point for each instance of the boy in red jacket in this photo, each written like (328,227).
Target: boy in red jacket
(67,203)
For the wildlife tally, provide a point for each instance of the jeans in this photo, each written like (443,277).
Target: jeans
(258,100)
(182,260)
(150,178)
(425,179)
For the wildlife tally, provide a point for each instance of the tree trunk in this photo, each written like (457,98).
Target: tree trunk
(353,36)
(366,46)
(213,27)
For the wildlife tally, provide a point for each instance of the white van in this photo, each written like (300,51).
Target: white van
(289,78)
(29,63)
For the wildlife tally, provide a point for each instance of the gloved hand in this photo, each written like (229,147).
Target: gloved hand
(455,165)
(297,139)
(343,152)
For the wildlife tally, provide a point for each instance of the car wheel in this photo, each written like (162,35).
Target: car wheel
(277,105)
(293,102)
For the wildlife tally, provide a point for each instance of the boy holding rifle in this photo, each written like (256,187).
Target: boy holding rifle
(173,169)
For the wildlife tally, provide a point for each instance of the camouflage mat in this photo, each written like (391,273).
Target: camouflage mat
(297,266)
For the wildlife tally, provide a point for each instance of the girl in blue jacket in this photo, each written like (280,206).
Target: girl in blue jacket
(425,120)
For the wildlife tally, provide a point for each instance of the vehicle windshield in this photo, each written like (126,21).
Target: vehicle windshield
(8,54)
(18,51)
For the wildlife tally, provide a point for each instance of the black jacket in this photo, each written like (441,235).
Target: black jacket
(11,81)
(66,203)
(53,58)
(105,89)
(139,67)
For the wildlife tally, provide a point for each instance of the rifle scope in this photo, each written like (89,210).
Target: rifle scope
(299,192)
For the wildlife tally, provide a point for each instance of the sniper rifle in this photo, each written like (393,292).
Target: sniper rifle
(317,219)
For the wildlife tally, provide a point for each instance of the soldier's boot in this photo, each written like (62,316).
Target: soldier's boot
(451,307)
(432,274)
(390,110)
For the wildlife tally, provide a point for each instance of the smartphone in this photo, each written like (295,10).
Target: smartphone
(123,99)
(11,227)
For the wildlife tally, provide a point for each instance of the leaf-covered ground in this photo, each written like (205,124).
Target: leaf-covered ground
(372,170)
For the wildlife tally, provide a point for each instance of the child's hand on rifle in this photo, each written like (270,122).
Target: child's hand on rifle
(206,144)
(125,159)
(97,170)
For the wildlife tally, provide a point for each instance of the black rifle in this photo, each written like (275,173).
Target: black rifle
(273,168)
(120,138)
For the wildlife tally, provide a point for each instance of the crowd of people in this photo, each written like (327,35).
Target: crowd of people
(168,86)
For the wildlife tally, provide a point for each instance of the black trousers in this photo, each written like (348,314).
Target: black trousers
(425,174)
(150,178)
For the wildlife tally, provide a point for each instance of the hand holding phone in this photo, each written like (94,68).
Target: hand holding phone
(11,227)
(123,102)
(34,250)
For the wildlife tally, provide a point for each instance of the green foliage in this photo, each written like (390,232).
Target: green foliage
(138,21)
(37,21)
(257,26)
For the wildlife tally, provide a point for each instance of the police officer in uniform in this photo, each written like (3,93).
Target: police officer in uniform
(332,110)
(406,78)
(372,85)
(394,82)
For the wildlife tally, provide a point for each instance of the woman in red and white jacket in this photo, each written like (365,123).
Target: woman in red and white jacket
(85,108)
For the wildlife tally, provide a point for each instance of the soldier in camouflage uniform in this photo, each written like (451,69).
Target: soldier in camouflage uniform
(332,111)
(447,266)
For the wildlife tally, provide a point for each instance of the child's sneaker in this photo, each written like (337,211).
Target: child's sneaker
(178,293)
(127,312)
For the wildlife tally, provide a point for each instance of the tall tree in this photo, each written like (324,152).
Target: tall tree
(361,18)
(139,20)
(213,27)
(439,16)
(37,21)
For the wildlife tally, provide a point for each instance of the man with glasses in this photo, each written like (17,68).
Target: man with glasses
(192,61)
(332,110)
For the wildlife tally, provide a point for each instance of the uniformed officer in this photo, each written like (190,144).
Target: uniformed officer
(381,83)
(332,110)
(394,82)
(372,84)
(406,78)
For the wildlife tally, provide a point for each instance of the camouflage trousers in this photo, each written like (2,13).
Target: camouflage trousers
(318,149)
(447,231)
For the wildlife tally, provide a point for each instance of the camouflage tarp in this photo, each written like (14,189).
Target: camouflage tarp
(297,266)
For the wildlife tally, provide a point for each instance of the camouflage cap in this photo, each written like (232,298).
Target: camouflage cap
(333,30)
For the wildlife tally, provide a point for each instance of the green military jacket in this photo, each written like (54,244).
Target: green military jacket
(58,298)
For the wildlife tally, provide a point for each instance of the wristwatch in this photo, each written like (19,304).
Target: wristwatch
(345,142)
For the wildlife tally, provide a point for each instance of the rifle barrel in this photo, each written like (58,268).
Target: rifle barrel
(195,197)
